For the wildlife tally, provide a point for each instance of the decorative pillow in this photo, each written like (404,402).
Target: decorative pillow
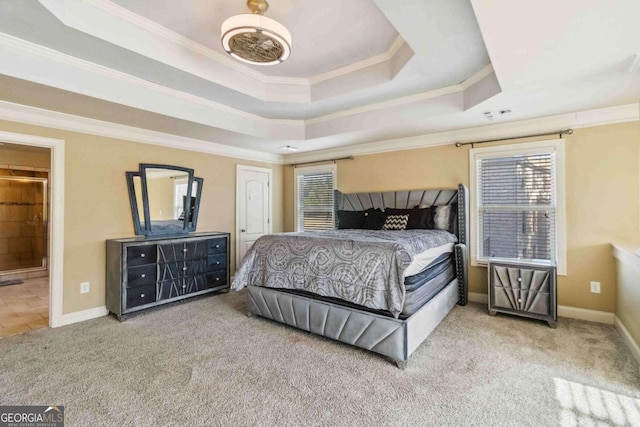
(374,219)
(444,217)
(418,218)
(350,219)
(396,222)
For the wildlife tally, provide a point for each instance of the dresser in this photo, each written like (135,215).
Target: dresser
(523,289)
(148,272)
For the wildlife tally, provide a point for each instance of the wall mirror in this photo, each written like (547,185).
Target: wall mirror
(164,199)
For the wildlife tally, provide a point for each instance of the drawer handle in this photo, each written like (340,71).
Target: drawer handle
(184,286)
(519,279)
(217,279)
(143,275)
(218,263)
(519,299)
(184,250)
(141,255)
(217,246)
(141,295)
(184,268)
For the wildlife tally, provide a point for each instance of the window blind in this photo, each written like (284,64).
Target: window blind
(517,207)
(314,200)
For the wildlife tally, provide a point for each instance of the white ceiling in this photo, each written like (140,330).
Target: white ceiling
(361,71)
(327,35)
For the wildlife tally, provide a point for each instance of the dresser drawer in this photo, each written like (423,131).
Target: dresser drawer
(141,255)
(217,246)
(217,262)
(141,275)
(180,287)
(141,295)
(179,269)
(182,251)
(217,278)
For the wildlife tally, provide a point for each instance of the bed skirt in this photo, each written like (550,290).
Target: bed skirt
(396,339)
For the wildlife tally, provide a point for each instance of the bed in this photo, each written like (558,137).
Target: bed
(352,285)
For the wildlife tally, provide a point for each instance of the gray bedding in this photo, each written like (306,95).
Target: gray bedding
(364,267)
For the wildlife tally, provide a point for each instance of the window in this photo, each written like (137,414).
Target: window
(518,203)
(314,197)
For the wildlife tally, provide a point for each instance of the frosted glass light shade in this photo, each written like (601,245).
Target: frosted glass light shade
(256,39)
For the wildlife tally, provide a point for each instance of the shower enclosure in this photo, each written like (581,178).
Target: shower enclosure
(23,224)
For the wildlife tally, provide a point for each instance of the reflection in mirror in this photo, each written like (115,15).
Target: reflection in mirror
(166,189)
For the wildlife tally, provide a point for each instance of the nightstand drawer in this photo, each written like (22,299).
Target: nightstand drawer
(523,289)
(519,300)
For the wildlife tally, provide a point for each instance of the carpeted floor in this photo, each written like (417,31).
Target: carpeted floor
(205,363)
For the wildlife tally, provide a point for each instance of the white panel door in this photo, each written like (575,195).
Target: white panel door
(253,205)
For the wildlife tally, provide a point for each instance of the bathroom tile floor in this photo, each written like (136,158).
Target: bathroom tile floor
(24,307)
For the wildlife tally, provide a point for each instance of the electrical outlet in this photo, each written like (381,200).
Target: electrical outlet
(84,287)
(595,287)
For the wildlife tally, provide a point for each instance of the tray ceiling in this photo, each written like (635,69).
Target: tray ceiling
(361,71)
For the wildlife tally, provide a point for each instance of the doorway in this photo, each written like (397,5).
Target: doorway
(253,207)
(24,231)
(56,219)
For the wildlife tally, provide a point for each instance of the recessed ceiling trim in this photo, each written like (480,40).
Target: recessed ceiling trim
(357,66)
(52,119)
(68,122)
(145,37)
(213,114)
(395,102)
(582,119)
(18,55)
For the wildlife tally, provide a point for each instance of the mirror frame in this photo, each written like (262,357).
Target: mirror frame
(189,224)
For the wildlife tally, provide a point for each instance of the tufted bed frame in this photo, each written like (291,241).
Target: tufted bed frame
(394,338)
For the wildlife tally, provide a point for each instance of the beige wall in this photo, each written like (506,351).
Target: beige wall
(23,158)
(97,203)
(628,301)
(602,199)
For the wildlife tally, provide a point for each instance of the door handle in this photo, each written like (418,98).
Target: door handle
(243,230)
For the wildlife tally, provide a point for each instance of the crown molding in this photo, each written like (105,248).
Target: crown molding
(395,102)
(577,120)
(263,127)
(68,122)
(359,65)
(122,86)
(161,33)
(52,119)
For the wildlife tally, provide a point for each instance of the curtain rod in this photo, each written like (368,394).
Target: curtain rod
(293,165)
(559,133)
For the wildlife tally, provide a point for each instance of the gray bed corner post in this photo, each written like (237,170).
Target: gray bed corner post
(461,249)
(338,204)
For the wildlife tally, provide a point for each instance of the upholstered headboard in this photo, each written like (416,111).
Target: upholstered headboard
(408,200)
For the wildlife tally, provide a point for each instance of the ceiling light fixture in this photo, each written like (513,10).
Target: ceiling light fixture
(289,148)
(254,38)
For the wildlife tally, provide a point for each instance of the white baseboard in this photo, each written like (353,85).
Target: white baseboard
(476,297)
(563,311)
(628,339)
(586,314)
(80,316)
